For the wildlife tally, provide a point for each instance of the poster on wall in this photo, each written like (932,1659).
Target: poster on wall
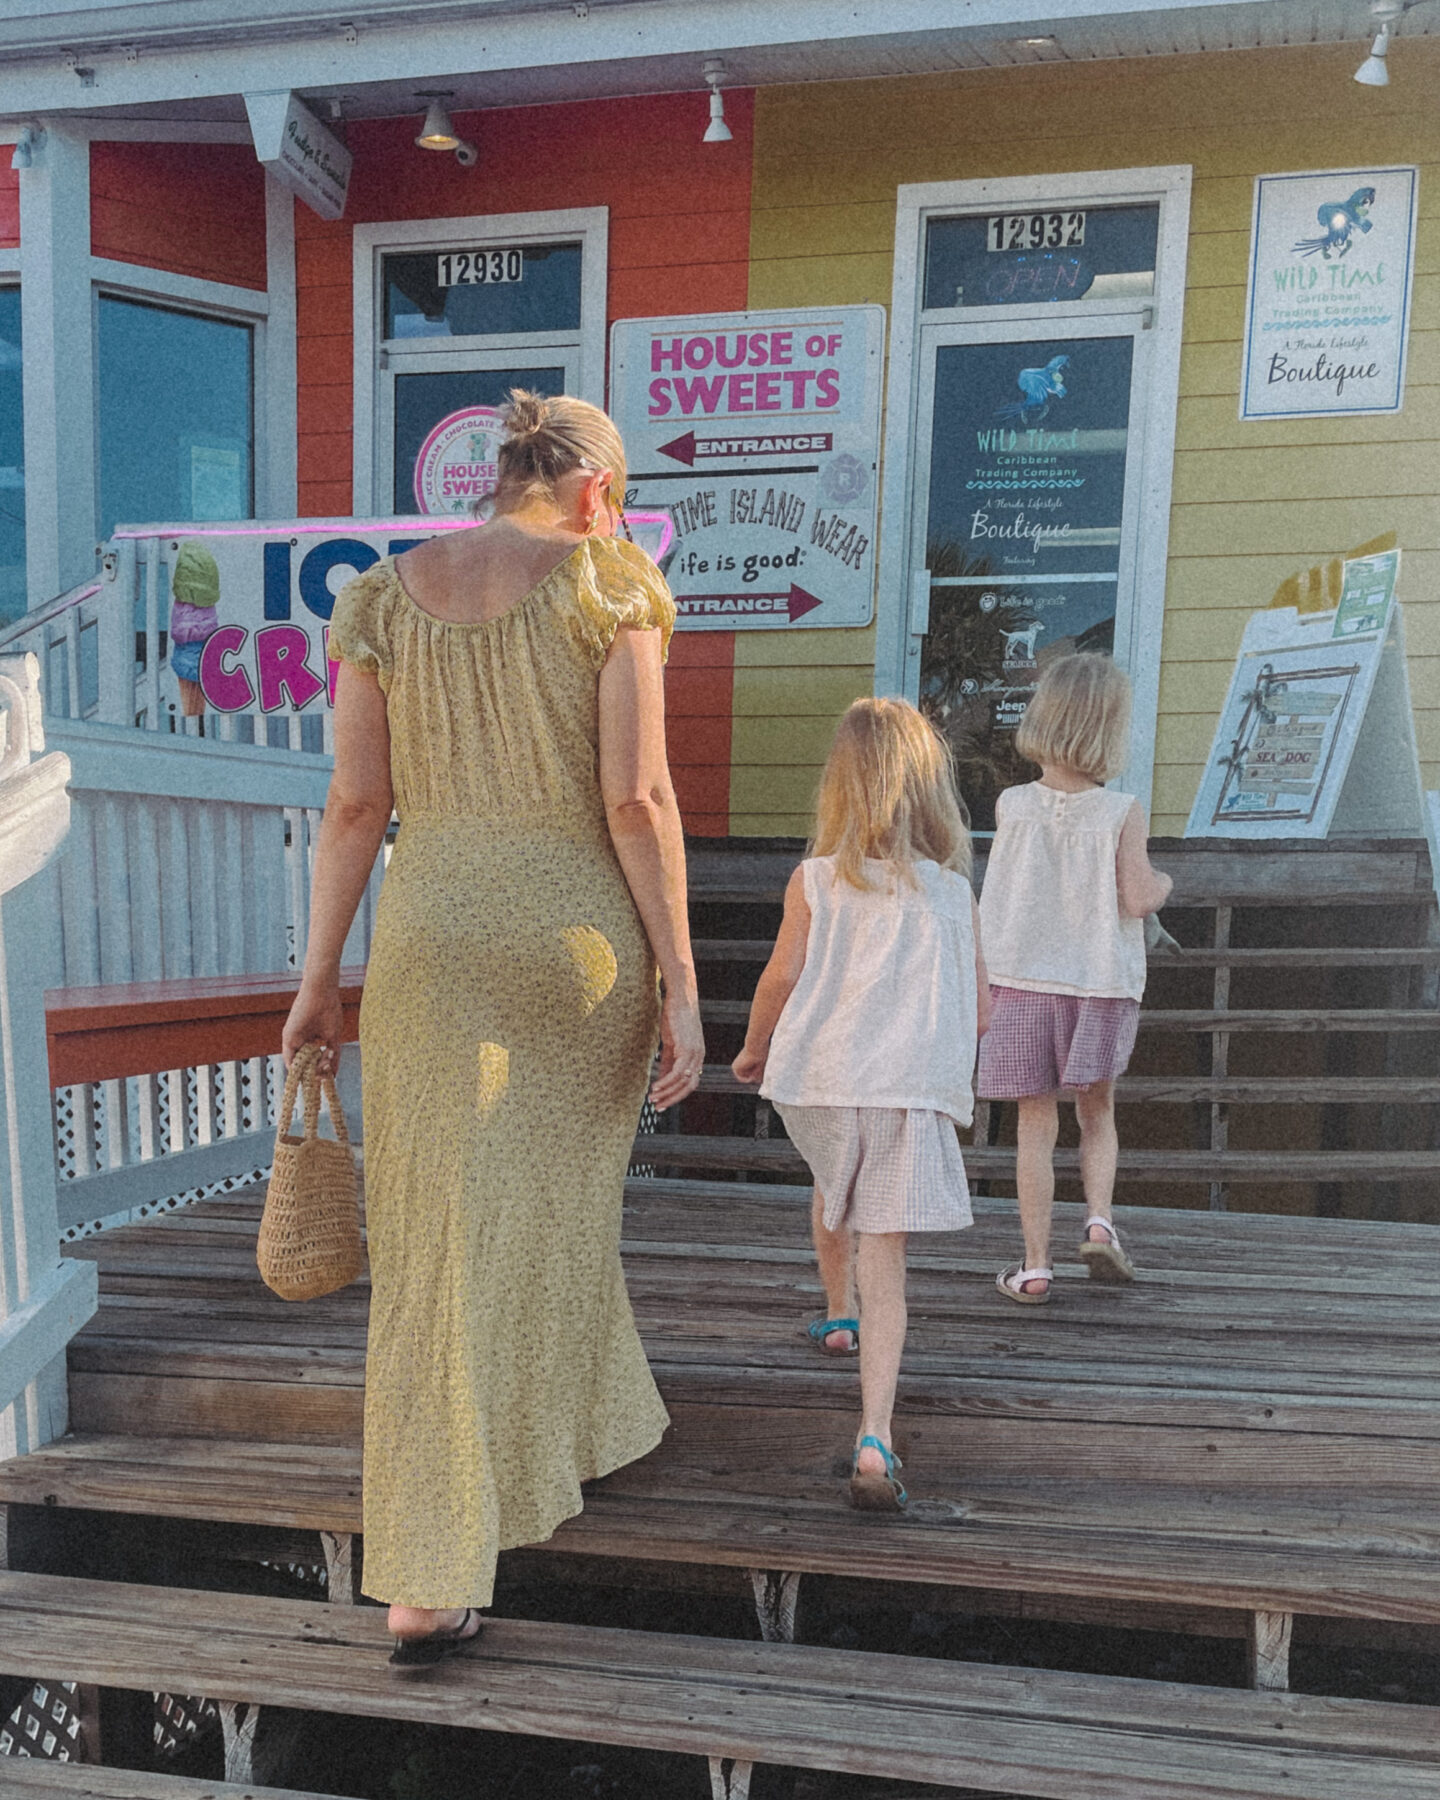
(246,612)
(1328,304)
(1029,451)
(457,464)
(1316,735)
(759,434)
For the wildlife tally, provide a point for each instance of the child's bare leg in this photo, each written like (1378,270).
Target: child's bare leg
(880,1270)
(1099,1149)
(1038,1129)
(835,1255)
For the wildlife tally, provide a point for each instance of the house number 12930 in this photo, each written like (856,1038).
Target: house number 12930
(1035,231)
(462,268)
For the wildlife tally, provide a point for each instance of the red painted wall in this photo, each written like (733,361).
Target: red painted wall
(9,204)
(192,209)
(679,242)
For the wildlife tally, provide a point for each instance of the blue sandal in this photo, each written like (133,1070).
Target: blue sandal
(876,1493)
(819,1329)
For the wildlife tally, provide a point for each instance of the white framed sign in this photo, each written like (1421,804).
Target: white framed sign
(1328,304)
(301,153)
(759,434)
(1316,736)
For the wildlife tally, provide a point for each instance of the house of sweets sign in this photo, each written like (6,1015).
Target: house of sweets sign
(1327,314)
(759,434)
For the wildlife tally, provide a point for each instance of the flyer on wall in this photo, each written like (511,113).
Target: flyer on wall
(759,434)
(1328,303)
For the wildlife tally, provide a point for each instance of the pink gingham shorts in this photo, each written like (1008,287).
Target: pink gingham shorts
(1040,1043)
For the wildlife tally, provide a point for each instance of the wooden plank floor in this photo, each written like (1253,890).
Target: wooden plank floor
(1255,1424)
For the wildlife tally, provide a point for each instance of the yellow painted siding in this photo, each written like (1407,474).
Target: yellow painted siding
(1251,502)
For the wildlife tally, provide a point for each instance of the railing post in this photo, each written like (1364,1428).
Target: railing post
(42,1300)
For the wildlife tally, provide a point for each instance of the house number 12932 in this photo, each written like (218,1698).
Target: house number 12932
(1035,231)
(472,268)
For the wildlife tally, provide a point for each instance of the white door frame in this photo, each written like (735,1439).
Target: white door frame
(905,456)
(590,226)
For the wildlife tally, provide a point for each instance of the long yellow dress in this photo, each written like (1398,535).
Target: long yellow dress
(509,1021)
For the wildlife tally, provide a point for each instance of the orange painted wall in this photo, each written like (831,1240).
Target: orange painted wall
(193,209)
(9,205)
(679,242)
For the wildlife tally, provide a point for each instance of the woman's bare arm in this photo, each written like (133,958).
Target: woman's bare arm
(1142,888)
(777,983)
(357,812)
(982,978)
(645,828)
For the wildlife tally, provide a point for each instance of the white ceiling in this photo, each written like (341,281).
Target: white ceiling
(195,62)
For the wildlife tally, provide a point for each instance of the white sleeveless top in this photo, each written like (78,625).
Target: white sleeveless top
(1050,909)
(884,1011)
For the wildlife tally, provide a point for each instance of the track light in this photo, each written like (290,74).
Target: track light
(437,133)
(1373,71)
(717,131)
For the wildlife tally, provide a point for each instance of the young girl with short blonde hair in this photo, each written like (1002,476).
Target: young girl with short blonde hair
(1067,887)
(863,1028)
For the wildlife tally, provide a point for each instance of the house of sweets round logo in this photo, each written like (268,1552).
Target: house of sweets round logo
(456,465)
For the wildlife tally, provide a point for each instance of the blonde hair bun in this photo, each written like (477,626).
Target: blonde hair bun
(1079,717)
(888,793)
(546,436)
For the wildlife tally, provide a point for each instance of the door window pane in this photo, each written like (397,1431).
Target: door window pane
(422,401)
(472,290)
(12,461)
(1027,487)
(1017,256)
(176,416)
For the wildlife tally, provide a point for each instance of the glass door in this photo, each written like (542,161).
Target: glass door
(1025,526)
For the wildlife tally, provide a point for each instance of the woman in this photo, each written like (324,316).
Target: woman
(502,688)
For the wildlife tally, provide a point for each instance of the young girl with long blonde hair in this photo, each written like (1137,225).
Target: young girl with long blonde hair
(1067,887)
(863,1032)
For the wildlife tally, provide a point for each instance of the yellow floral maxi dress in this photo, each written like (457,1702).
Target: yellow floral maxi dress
(507,1030)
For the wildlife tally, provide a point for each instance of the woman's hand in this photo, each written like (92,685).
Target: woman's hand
(749,1066)
(682,1050)
(316,1014)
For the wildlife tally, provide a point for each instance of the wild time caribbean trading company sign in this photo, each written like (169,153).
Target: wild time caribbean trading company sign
(1331,259)
(759,434)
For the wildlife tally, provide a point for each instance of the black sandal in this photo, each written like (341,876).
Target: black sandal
(435,1646)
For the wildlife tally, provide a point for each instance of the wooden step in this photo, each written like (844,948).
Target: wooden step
(1263,1090)
(1344,956)
(1277,1019)
(1018,1731)
(779,1156)
(26,1778)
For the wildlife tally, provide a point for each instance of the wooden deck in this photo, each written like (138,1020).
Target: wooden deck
(1254,1427)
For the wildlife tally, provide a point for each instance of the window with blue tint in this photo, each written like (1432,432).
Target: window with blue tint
(12,461)
(177,416)
(472,290)
(1018,255)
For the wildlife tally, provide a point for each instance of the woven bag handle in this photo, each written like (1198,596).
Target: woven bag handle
(305,1076)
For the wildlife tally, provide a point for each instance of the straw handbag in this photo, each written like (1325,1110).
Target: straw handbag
(310,1232)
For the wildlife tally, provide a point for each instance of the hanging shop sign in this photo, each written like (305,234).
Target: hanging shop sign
(1328,307)
(759,434)
(1317,736)
(302,154)
(457,463)
(247,607)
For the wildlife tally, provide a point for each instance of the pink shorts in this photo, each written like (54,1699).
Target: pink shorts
(1040,1043)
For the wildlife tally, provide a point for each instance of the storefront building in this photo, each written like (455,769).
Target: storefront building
(1004,273)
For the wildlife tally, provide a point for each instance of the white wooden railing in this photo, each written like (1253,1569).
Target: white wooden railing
(43,1301)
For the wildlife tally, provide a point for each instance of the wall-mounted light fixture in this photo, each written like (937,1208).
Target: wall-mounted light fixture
(717,131)
(437,133)
(1374,71)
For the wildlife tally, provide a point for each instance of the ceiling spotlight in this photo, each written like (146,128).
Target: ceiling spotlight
(437,133)
(717,131)
(1373,72)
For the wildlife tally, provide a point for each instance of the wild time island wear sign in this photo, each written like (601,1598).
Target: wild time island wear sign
(759,434)
(1328,306)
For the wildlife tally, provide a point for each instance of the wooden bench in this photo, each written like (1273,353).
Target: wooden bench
(25,1778)
(1006,1730)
